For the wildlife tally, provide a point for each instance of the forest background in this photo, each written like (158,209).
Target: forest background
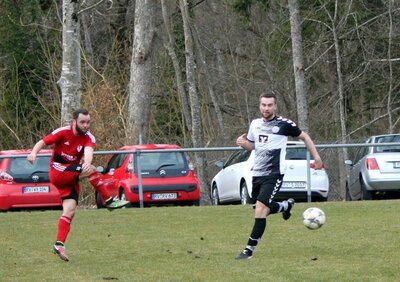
(191,72)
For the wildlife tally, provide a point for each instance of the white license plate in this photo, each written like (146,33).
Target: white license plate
(396,165)
(164,196)
(35,189)
(293,184)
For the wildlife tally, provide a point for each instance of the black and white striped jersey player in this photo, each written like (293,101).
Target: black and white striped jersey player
(268,136)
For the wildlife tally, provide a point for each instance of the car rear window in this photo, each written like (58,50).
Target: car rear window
(387,139)
(168,164)
(297,154)
(23,171)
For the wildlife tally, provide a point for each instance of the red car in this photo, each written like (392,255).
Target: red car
(30,187)
(167,177)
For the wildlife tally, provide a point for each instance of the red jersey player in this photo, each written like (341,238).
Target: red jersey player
(71,144)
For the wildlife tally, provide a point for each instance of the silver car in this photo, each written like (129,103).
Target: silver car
(375,170)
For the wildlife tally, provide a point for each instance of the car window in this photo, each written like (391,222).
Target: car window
(22,166)
(237,157)
(166,164)
(23,171)
(297,154)
(387,139)
(116,161)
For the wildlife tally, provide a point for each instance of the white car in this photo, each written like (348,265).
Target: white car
(233,183)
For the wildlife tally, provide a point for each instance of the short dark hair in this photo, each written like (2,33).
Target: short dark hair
(77,112)
(268,95)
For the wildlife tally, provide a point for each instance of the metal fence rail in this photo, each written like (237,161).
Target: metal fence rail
(220,149)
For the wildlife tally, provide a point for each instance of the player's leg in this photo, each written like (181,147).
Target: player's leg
(260,213)
(70,196)
(101,187)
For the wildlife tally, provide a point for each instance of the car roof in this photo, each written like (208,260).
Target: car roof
(23,152)
(384,135)
(150,147)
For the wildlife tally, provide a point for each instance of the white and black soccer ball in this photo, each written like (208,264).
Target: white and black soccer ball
(313,218)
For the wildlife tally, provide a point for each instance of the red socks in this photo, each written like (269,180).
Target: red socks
(64,226)
(94,179)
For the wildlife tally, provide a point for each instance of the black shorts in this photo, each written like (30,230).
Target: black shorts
(265,188)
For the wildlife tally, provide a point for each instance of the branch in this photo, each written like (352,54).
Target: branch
(94,5)
(371,122)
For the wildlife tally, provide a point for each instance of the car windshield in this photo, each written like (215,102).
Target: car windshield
(387,139)
(153,164)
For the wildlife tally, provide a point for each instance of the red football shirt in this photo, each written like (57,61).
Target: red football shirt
(68,147)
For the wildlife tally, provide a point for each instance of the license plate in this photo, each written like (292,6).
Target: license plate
(293,184)
(164,196)
(35,189)
(396,165)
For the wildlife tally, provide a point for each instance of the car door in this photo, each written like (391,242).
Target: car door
(231,174)
(114,172)
(354,186)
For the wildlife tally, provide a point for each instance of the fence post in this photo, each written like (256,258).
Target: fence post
(308,177)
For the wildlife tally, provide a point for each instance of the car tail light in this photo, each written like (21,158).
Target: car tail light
(312,165)
(371,164)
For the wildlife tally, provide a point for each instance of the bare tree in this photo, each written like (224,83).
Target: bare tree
(141,80)
(197,131)
(70,79)
(298,65)
(169,45)
(389,55)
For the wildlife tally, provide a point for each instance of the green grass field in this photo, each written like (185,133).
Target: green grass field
(359,242)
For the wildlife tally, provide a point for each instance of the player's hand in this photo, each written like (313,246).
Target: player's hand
(241,140)
(318,164)
(31,158)
(87,168)
(5,176)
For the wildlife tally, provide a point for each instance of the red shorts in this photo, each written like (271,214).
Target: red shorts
(66,179)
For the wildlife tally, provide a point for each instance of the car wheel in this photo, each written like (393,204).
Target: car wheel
(215,196)
(122,195)
(365,194)
(348,197)
(99,202)
(244,194)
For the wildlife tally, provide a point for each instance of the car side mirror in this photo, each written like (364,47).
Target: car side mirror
(219,164)
(348,162)
(100,169)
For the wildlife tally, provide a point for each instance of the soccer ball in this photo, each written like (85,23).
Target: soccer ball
(313,218)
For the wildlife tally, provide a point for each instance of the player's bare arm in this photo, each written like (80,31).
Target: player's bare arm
(38,146)
(313,150)
(87,166)
(243,142)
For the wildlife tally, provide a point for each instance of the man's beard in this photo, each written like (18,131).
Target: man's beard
(80,131)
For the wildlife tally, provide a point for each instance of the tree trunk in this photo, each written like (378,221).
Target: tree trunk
(70,79)
(141,75)
(169,43)
(298,65)
(197,132)
(211,92)
(389,54)
(343,153)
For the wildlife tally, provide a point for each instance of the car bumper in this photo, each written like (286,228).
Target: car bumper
(165,193)
(383,184)
(301,195)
